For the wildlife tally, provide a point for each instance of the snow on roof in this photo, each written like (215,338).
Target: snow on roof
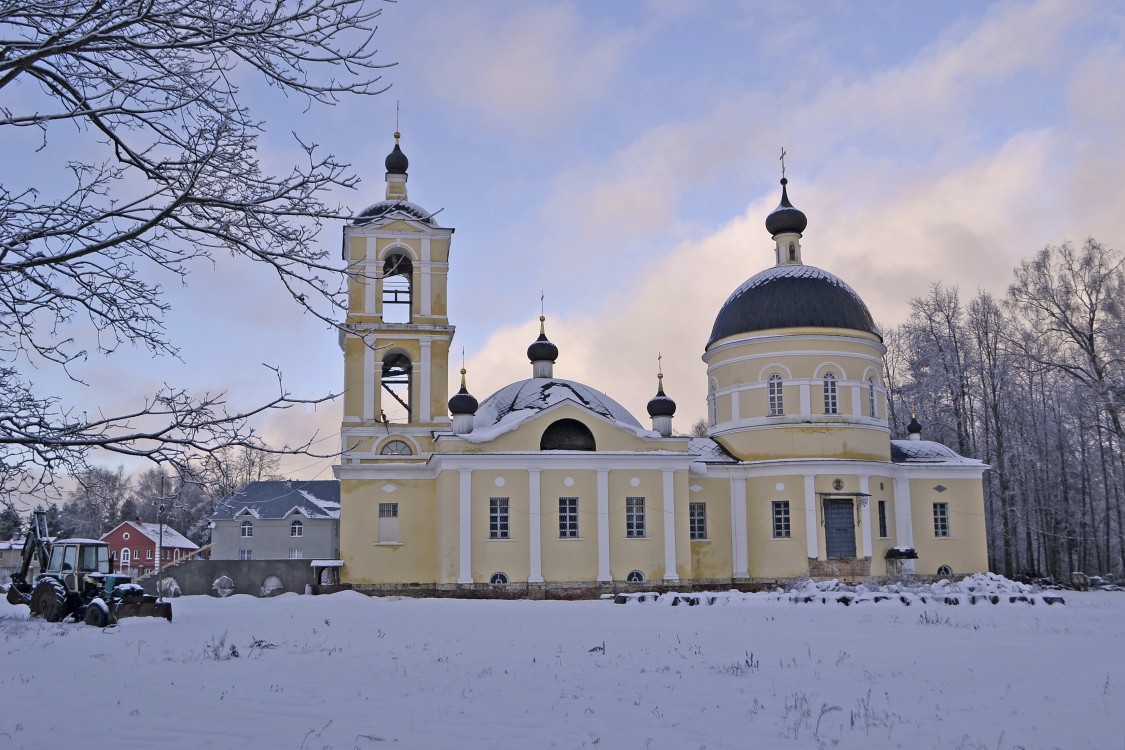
(710,451)
(277,499)
(172,538)
(395,209)
(326,564)
(928,452)
(791,271)
(516,403)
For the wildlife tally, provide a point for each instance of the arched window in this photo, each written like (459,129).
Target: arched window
(635,576)
(831,404)
(792,252)
(498,579)
(125,557)
(398,273)
(871,398)
(776,401)
(567,435)
(296,528)
(397,370)
(247,528)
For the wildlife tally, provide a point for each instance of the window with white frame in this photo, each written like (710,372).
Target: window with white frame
(296,553)
(148,554)
(136,555)
(499,579)
(883,518)
(125,556)
(245,554)
(498,527)
(831,402)
(776,400)
(296,528)
(941,520)
(712,405)
(635,576)
(247,528)
(697,520)
(781,520)
(634,517)
(568,518)
(388,523)
(871,411)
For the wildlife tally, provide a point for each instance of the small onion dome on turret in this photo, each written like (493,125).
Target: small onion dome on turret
(914,429)
(463,401)
(542,350)
(660,405)
(785,219)
(397,163)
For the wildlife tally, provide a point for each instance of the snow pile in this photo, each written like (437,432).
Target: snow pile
(979,588)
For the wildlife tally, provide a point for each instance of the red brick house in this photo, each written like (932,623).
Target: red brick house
(133,546)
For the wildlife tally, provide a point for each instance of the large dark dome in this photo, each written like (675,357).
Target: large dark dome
(792,296)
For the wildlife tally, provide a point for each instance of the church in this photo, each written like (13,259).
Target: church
(550,488)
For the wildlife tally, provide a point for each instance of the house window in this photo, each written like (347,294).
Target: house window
(776,402)
(635,576)
(941,520)
(247,528)
(388,523)
(568,518)
(136,554)
(635,517)
(113,554)
(125,536)
(831,405)
(125,557)
(395,448)
(883,518)
(296,528)
(244,554)
(781,527)
(498,518)
(148,554)
(712,405)
(296,553)
(697,520)
(398,273)
(871,398)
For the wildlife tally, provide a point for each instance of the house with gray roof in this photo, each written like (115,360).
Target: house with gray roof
(278,520)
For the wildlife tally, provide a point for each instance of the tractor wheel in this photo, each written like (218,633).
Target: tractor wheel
(49,600)
(97,614)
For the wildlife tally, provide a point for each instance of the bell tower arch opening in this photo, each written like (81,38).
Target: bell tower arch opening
(398,288)
(397,390)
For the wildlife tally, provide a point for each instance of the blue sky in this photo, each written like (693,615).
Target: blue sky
(621,158)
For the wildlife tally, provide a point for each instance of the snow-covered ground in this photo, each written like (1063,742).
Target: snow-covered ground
(762,671)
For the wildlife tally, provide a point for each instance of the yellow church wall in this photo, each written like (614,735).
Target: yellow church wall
(569,559)
(966,547)
(880,545)
(512,555)
(645,554)
(808,441)
(439,380)
(447,514)
(769,557)
(711,558)
(354,349)
(412,560)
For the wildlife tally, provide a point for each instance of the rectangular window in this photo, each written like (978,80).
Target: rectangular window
(697,520)
(781,527)
(776,404)
(941,520)
(148,554)
(831,404)
(634,517)
(498,518)
(388,523)
(883,518)
(244,554)
(296,553)
(136,554)
(568,518)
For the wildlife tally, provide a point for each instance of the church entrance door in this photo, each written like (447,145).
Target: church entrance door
(839,528)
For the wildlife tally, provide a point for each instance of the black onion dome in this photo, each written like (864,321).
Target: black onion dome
(397,163)
(542,349)
(792,296)
(786,217)
(463,401)
(660,405)
(915,427)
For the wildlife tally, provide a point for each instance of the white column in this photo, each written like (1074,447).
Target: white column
(811,525)
(369,269)
(806,400)
(424,396)
(670,573)
(735,408)
(369,378)
(424,273)
(536,530)
(864,487)
(904,522)
(603,526)
(739,548)
(465,575)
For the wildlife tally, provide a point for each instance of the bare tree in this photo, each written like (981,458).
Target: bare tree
(146,165)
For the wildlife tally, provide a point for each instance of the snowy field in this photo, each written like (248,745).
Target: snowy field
(348,671)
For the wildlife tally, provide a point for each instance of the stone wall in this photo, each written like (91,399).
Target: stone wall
(847,568)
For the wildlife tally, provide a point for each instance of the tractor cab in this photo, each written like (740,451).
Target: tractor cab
(79,563)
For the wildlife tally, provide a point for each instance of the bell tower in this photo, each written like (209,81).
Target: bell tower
(397,334)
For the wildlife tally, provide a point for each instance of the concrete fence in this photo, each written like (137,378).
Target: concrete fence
(248,576)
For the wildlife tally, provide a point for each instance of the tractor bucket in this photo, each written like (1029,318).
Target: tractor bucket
(16,596)
(143,606)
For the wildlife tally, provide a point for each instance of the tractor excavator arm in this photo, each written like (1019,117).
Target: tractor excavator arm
(36,545)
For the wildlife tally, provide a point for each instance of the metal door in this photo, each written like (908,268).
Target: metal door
(839,528)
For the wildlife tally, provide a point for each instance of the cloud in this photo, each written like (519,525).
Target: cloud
(530,67)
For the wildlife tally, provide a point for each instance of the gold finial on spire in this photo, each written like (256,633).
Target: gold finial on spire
(783,162)
(542,315)
(397,136)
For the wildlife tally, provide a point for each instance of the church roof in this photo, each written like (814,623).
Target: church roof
(791,296)
(395,209)
(528,397)
(928,452)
